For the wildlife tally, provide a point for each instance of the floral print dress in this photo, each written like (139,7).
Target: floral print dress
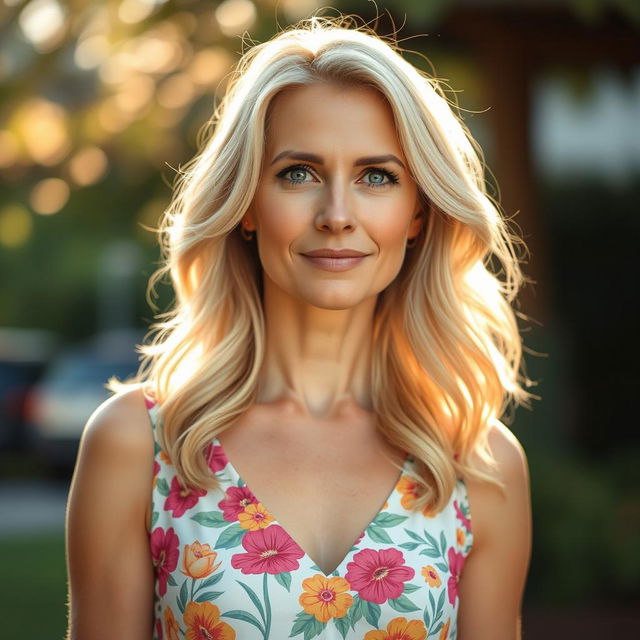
(226,569)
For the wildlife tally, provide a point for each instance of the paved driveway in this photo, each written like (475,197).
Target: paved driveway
(32,506)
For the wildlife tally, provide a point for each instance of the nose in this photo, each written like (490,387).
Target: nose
(336,210)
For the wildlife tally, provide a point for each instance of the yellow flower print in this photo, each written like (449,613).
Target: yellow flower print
(171,627)
(431,576)
(409,490)
(325,597)
(198,560)
(254,517)
(399,629)
(203,621)
(460,537)
(444,634)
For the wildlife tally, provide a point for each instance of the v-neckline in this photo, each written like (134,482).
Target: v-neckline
(382,509)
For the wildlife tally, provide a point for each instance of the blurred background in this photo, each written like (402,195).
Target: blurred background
(100,103)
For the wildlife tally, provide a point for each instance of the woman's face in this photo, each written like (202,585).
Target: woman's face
(333,177)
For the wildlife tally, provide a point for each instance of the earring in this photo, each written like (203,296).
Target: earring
(246,233)
(412,242)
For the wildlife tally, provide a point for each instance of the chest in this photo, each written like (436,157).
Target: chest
(323,485)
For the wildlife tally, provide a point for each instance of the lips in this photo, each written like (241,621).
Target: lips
(334,253)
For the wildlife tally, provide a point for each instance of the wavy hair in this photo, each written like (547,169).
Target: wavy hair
(447,352)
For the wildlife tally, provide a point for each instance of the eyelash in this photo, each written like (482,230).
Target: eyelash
(393,177)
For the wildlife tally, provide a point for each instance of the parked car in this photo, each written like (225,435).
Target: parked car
(24,354)
(71,388)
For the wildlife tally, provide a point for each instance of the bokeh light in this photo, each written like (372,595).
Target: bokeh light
(43,23)
(49,196)
(88,165)
(9,148)
(235,16)
(16,224)
(42,127)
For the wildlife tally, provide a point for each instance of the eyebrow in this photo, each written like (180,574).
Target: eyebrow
(312,157)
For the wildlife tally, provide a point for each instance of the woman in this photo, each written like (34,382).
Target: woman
(315,427)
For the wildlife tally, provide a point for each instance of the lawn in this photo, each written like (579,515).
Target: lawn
(33,586)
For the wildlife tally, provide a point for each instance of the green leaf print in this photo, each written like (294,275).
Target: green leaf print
(208,595)
(306,624)
(402,604)
(154,518)
(372,614)
(284,579)
(410,588)
(410,546)
(230,537)
(378,535)
(254,598)
(443,544)
(342,625)
(183,595)
(210,519)
(172,581)
(442,566)
(214,579)
(387,520)
(413,535)
(245,616)
(162,486)
(356,610)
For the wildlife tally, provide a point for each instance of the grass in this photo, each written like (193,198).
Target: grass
(33,588)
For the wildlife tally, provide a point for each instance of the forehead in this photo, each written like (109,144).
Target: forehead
(325,114)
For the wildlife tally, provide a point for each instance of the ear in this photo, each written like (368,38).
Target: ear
(248,219)
(416,222)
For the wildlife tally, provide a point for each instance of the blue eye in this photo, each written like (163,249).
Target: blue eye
(297,173)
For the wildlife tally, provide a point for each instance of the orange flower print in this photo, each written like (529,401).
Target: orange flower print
(409,490)
(444,634)
(254,517)
(431,576)
(198,560)
(203,621)
(324,597)
(399,629)
(165,458)
(460,537)
(171,627)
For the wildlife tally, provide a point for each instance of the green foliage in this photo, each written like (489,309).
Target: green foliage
(586,522)
(33,586)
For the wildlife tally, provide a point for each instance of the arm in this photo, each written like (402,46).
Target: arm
(493,578)
(111,579)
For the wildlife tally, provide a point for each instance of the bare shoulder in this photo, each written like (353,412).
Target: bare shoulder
(501,521)
(488,504)
(121,421)
(509,453)
(109,565)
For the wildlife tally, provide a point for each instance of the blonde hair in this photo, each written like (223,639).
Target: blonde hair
(446,348)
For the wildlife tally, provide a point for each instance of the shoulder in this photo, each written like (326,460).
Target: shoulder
(119,430)
(497,512)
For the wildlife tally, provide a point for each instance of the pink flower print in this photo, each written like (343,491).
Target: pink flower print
(378,575)
(235,501)
(461,516)
(355,543)
(216,457)
(156,468)
(269,550)
(159,629)
(164,554)
(456,561)
(180,499)
(149,400)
